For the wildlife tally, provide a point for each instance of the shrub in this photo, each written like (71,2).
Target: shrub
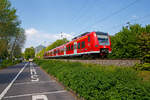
(145,66)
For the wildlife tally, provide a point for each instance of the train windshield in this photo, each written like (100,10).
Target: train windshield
(103,38)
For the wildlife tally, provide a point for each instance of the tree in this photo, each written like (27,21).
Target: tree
(57,43)
(11,34)
(29,53)
(18,43)
(52,46)
(144,44)
(125,43)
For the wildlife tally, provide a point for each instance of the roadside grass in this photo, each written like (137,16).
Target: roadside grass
(95,82)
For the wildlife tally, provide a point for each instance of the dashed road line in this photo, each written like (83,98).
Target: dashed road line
(9,86)
(32,94)
(39,82)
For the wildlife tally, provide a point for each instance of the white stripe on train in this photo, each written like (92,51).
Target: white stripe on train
(75,54)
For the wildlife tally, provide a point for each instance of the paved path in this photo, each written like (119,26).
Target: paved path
(26,81)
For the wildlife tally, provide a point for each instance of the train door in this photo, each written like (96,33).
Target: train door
(56,52)
(64,50)
(75,47)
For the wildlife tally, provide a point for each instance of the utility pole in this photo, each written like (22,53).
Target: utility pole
(128,24)
(61,35)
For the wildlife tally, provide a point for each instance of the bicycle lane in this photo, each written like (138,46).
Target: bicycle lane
(7,75)
(34,84)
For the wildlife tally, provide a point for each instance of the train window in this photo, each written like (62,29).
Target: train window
(88,38)
(83,44)
(71,47)
(79,45)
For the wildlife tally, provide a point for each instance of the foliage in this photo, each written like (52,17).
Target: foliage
(29,53)
(6,63)
(144,66)
(57,43)
(125,43)
(41,53)
(98,83)
(144,45)
(12,36)
(51,46)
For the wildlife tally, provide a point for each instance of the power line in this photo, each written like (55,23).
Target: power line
(87,10)
(81,10)
(141,18)
(112,14)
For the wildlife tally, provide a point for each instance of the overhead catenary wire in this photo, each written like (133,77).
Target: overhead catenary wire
(110,15)
(140,18)
(85,14)
(85,4)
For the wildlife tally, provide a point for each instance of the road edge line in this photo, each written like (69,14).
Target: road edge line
(11,83)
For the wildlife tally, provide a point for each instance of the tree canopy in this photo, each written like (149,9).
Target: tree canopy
(29,53)
(131,42)
(52,46)
(12,36)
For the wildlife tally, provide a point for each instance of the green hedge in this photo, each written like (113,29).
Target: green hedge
(93,82)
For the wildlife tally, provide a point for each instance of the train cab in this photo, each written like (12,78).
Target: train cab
(102,42)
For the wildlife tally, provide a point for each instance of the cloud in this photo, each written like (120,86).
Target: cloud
(36,37)
(134,17)
(30,31)
(64,35)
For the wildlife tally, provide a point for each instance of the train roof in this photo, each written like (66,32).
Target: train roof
(80,35)
(101,33)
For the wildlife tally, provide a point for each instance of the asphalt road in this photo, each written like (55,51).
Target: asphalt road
(26,81)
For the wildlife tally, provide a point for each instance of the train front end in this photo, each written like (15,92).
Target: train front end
(103,43)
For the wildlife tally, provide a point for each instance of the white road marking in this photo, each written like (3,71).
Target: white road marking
(44,93)
(34,82)
(8,87)
(37,97)
(34,76)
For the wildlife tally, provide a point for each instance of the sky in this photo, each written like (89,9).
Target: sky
(45,21)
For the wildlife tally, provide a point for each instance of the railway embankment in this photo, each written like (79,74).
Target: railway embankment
(107,62)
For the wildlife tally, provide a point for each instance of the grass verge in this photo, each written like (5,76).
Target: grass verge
(94,82)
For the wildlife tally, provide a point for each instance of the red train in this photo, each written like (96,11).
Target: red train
(88,44)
